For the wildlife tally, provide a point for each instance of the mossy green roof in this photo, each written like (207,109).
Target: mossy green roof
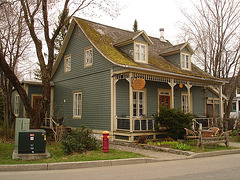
(104,37)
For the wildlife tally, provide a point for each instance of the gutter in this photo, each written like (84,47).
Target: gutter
(173,74)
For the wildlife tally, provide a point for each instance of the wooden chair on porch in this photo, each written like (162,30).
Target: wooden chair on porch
(215,129)
(227,132)
(190,134)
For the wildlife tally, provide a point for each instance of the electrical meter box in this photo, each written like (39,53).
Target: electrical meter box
(32,141)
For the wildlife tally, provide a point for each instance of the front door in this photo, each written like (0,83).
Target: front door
(164,101)
(36,103)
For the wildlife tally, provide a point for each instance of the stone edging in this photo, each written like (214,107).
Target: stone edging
(177,151)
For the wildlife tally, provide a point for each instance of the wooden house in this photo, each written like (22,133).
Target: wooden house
(112,79)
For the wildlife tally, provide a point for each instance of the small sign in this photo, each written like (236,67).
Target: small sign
(31,138)
(138,83)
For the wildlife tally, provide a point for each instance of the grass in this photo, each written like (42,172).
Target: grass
(190,145)
(57,155)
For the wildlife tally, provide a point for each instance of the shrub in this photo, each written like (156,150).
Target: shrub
(174,120)
(142,139)
(79,140)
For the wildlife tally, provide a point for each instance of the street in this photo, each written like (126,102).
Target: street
(219,167)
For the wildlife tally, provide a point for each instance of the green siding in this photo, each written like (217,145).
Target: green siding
(141,38)
(34,89)
(185,49)
(122,98)
(128,49)
(198,101)
(210,94)
(152,96)
(174,59)
(94,83)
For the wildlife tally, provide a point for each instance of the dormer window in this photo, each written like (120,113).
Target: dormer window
(185,61)
(140,52)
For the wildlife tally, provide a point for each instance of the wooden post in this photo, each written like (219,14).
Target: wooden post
(188,86)
(226,140)
(172,84)
(131,101)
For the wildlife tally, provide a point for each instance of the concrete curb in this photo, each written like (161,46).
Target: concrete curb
(75,165)
(214,153)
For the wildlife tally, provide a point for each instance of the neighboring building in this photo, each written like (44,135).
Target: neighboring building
(112,79)
(34,92)
(235,112)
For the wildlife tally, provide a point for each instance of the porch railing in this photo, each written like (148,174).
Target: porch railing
(204,122)
(139,124)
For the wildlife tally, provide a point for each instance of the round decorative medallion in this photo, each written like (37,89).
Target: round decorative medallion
(138,83)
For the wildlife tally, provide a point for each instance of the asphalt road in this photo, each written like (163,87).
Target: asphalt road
(219,167)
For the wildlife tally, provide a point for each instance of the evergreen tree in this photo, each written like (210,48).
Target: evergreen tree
(135,26)
(59,39)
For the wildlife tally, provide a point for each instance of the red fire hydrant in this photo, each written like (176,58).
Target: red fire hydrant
(105,138)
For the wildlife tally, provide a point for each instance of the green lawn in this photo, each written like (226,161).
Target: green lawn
(57,155)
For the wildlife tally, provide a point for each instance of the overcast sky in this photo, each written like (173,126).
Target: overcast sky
(151,16)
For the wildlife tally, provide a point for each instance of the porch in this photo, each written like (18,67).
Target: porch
(133,107)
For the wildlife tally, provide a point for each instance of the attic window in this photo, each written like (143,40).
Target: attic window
(185,61)
(88,57)
(67,63)
(140,52)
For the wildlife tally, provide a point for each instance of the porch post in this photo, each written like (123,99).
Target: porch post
(112,100)
(172,84)
(220,106)
(131,101)
(188,86)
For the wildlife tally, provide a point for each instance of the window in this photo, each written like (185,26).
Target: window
(185,103)
(185,61)
(234,107)
(88,57)
(16,105)
(67,63)
(77,104)
(140,52)
(238,90)
(138,103)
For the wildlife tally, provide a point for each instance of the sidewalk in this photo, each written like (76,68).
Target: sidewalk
(151,156)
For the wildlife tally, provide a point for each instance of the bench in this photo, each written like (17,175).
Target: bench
(214,140)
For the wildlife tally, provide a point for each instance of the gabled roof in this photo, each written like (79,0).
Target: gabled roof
(132,37)
(176,49)
(105,39)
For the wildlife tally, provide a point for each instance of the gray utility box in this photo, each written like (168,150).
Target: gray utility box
(32,141)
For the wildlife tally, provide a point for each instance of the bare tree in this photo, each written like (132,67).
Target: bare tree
(13,44)
(214,32)
(37,15)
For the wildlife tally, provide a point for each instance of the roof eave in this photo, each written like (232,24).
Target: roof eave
(175,74)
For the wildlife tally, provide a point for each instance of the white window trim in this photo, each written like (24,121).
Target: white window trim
(86,64)
(16,105)
(191,105)
(67,63)
(146,52)
(78,116)
(144,91)
(189,61)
